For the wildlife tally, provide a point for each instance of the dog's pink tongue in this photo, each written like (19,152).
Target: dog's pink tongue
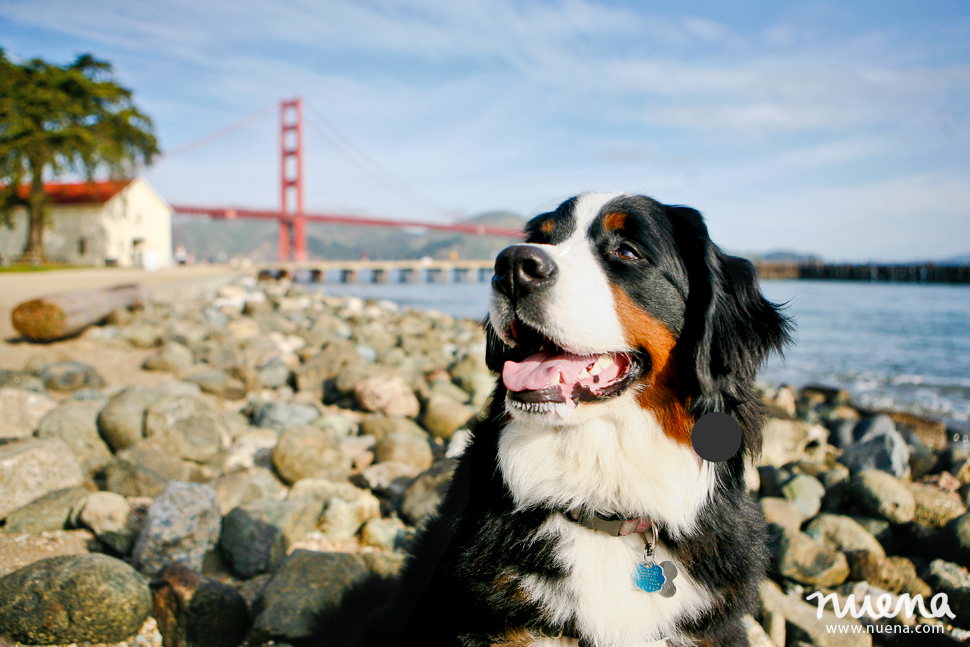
(543,370)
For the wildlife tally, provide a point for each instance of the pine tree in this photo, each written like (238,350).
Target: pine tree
(56,120)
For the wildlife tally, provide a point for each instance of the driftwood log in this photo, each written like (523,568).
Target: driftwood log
(65,314)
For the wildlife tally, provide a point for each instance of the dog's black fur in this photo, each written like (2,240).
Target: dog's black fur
(456,588)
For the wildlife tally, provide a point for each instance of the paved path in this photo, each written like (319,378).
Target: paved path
(170,284)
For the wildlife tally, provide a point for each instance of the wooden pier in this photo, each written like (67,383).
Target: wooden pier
(917,273)
(480,271)
(407,271)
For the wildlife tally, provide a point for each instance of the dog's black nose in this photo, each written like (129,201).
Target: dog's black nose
(520,270)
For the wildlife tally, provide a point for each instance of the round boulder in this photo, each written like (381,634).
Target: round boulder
(187,427)
(387,394)
(72,599)
(305,451)
(122,421)
(182,524)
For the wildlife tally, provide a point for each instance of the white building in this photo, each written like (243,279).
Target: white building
(124,223)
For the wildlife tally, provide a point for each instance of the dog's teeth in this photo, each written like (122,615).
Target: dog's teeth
(603,363)
(583,375)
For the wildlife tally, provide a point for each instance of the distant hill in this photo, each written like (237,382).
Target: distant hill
(782,256)
(256,239)
(963,259)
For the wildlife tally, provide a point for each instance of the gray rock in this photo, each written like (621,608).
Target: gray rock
(362,504)
(193,609)
(755,632)
(956,540)
(781,512)
(32,467)
(882,495)
(836,483)
(385,534)
(405,448)
(293,602)
(805,493)
(444,416)
(47,513)
(388,479)
(447,389)
(251,448)
(274,374)
(76,423)
(387,394)
(333,360)
(954,581)
(802,622)
(844,534)
(801,558)
(73,599)
(936,506)
(182,524)
(70,376)
(888,453)
(111,519)
(247,485)
(144,469)
(380,427)
(22,411)
(282,416)
(122,420)
(340,424)
(305,451)
(256,535)
(218,383)
(792,440)
(424,494)
(480,386)
(172,357)
(140,335)
(187,427)
(339,520)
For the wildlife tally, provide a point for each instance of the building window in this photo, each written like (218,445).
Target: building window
(81,246)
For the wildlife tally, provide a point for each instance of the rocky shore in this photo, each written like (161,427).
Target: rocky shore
(245,469)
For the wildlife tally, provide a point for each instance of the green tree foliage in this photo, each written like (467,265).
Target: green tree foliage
(56,120)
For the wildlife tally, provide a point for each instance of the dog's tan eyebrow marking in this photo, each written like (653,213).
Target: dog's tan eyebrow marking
(661,394)
(614,221)
(548,226)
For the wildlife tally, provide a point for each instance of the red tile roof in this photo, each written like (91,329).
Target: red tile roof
(80,192)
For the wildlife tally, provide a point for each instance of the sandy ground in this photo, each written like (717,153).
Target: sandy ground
(117,366)
(169,284)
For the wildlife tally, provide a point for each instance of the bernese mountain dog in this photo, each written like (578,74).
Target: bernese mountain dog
(580,512)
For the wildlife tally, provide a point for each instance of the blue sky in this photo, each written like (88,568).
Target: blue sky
(838,128)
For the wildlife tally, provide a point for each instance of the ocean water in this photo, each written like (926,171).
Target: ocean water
(892,345)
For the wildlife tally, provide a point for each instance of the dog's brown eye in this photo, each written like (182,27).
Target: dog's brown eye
(626,253)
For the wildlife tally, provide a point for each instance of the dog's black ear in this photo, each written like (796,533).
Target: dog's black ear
(738,327)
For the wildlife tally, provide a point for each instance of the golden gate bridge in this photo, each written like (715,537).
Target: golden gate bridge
(291,216)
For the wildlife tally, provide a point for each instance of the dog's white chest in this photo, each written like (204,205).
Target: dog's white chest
(600,593)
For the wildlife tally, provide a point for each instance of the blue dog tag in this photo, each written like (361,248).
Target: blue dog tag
(649,577)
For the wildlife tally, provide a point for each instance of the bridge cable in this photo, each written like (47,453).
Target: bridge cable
(205,139)
(352,152)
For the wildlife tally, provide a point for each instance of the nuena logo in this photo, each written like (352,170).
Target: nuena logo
(884,606)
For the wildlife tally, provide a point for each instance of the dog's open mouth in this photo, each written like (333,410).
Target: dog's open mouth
(548,375)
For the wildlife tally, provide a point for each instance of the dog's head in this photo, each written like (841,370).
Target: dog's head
(617,293)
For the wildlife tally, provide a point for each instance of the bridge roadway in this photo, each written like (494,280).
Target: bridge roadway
(378,271)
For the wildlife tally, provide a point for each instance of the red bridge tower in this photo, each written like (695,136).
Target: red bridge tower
(292,234)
